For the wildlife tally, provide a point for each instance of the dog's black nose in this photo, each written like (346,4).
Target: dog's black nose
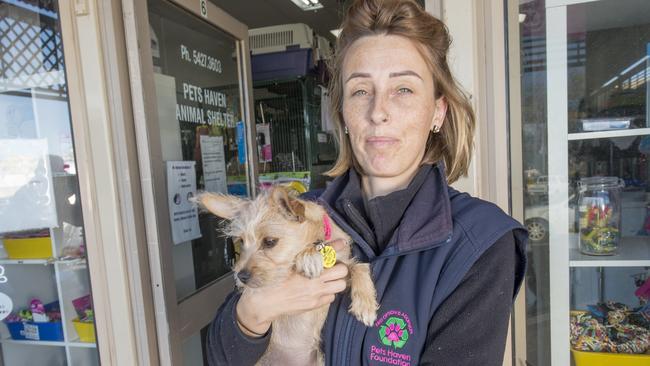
(244,275)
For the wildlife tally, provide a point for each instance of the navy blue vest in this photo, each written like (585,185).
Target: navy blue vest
(442,234)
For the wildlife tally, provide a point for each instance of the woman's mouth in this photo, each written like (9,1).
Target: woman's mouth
(381,141)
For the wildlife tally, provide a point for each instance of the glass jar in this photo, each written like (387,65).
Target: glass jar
(599,204)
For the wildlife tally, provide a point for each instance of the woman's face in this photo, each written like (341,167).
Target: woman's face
(389,104)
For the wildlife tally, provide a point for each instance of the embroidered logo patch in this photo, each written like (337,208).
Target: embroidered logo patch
(395,329)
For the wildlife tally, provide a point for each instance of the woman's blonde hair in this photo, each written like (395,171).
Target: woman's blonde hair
(406,18)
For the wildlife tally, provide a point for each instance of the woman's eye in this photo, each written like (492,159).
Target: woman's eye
(359,93)
(268,243)
(404,91)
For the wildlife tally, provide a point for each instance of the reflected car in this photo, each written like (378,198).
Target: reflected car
(536,222)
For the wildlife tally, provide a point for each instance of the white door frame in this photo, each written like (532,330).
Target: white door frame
(100,108)
(480,57)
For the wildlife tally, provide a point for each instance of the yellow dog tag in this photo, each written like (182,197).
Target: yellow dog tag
(329,256)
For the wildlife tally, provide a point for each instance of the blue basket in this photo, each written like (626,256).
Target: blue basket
(50,331)
(30,331)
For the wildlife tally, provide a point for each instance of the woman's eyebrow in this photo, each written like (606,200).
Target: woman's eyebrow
(358,75)
(392,75)
(405,73)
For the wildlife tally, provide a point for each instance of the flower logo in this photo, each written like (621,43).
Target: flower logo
(394,333)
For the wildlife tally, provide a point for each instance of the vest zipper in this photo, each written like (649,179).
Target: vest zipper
(351,211)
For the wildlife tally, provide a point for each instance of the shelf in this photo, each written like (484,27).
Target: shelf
(34,343)
(77,343)
(74,343)
(27,261)
(62,175)
(609,134)
(634,251)
(556,3)
(44,261)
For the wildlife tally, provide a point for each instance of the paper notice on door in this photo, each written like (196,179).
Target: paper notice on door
(26,192)
(214,164)
(181,188)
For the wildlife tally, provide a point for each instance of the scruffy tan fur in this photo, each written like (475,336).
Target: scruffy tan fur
(297,225)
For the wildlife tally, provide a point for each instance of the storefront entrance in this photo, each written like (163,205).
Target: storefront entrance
(195,134)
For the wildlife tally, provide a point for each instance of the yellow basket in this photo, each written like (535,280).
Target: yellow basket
(609,359)
(86,331)
(29,248)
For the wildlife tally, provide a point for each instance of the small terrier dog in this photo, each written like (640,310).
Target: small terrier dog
(280,235)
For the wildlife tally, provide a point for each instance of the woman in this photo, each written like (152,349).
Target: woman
(446,266)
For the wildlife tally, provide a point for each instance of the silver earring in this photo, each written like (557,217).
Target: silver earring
(346,130)
(436,129)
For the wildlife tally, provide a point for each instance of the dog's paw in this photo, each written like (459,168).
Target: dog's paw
(310,263)
(365,310)
(364,297)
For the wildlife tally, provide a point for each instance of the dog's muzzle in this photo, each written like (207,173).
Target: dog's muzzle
(244,276)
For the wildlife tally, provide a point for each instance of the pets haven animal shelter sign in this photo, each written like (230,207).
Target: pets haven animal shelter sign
(181,188)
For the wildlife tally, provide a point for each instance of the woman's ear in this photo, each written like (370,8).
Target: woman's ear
(439,113)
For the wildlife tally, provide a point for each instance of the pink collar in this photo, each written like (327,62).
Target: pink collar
(327,227)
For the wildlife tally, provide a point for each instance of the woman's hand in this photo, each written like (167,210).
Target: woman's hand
(258,308)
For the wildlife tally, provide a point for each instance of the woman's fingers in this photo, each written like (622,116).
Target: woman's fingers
(326,299)
(334,287)
(339,271)
(338,244)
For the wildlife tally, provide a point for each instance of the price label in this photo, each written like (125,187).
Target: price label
(204,8)
(31,332)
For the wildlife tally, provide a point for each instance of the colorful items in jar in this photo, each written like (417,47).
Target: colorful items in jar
(599,235)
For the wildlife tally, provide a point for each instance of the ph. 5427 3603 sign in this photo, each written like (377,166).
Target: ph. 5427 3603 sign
(205,61)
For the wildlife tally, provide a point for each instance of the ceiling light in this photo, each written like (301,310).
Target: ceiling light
(308,4)
(336,32)
(522,17)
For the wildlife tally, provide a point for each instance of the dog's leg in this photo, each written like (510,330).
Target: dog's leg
(320,358)
(364,297)
(309,263)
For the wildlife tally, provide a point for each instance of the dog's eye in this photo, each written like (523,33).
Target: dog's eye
(269,242)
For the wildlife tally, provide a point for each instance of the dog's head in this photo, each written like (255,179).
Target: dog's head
(272,231)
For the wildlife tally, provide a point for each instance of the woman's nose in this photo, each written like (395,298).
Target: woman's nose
(379,109)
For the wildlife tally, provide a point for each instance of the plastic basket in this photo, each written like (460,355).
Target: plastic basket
(29,248)
(85,330)
(609,359)
(50,331)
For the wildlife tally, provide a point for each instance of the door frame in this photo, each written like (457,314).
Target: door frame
(481,63)
(102,127)
(176,321)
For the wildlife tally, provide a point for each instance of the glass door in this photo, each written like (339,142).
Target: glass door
(585,91)
(46,303)
(195,134)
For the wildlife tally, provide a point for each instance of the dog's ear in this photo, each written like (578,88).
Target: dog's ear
(290,207)
(225,206)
